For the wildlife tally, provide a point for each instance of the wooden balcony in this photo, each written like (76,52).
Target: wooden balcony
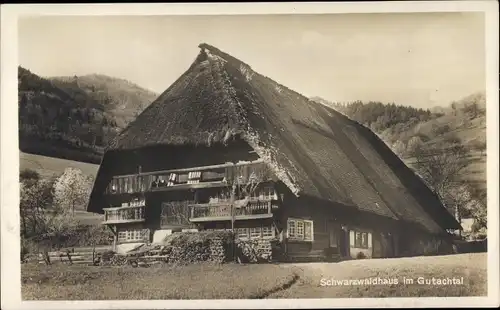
(224,211)
(184,178)
(120,215)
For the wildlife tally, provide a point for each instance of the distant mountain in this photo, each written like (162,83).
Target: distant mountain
(122,98)
(74,118)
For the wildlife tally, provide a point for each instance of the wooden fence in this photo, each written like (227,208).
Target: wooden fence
(78,255)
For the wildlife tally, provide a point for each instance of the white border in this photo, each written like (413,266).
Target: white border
(11,297)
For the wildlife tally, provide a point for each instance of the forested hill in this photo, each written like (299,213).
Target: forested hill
(123,99)
(74,119)
(446,146)
(461,122)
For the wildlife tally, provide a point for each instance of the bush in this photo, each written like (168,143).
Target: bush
(360,255)
(440,130)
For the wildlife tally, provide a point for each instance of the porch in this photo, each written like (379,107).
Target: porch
(226,211)
(125,214)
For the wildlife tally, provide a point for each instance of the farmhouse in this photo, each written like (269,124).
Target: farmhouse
(225,147)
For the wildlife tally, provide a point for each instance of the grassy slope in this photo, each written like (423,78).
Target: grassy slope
(468,134)
(472,267)
(64,282)
(51,166)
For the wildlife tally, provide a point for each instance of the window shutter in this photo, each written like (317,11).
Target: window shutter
(352,238)
(370,240)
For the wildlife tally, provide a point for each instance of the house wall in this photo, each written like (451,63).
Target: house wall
(294,208)
(383,235)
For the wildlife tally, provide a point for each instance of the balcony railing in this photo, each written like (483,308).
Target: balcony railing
(225,211)
(129,214)
(185,178)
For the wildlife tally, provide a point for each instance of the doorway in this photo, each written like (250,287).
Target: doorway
(337,239)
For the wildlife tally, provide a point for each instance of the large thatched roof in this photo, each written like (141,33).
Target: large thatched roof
(313,149)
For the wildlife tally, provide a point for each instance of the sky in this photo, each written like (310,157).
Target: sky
(417,59)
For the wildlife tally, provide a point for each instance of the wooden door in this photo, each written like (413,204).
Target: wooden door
(333,234)
(344,242)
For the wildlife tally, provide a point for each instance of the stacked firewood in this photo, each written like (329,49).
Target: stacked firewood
(219,250)
(118,260)
(255,250)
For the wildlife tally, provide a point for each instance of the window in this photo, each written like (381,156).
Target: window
(267,231)
(300,229)
(255,232)
(268,193)
(130,235)
(360,239)
(242,233)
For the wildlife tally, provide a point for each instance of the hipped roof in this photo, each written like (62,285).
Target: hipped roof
(313,149)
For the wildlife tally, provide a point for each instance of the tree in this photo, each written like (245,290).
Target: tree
(480,146)
(441,169)
(72,189)
(414,145)
(399,148)
(29,175)
(456,199)
(241,188)
(35,198)
(478,210)
(472,109)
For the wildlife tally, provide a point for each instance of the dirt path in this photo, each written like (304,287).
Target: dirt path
(391,277)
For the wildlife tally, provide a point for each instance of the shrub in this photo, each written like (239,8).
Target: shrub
(360,255)
(440,130)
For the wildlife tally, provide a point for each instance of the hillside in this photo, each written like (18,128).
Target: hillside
(75,118)
(461,123)
(50,166)
(121,98)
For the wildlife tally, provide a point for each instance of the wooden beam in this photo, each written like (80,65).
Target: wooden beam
(112,230)
(123,208)
(188,186)
(122,221)
(228,218)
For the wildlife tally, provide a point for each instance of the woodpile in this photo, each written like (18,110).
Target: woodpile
(219,250)
(178,248)
(183,248)
(255,250)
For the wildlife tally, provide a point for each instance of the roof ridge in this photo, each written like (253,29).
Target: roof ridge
(209,49)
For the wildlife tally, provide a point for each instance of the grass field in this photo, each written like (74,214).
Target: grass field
(50,166)
(314,280)
(230,281)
